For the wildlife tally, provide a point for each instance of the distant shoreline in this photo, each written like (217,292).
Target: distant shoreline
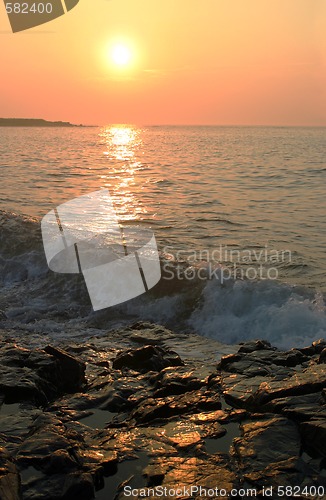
(36,122)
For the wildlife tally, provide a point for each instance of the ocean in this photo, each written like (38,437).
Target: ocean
(238,213)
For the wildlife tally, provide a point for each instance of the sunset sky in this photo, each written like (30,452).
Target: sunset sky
(222,62)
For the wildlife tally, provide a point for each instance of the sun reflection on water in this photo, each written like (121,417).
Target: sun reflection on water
(123,145)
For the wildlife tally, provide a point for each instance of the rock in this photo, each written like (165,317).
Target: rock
(38,448)
(255,345)
(252,379)
(322,357)
(149,334)
(71,370)
(38,375)
(10,487)
(314,436)
(267,441)
(319,345)
(298,408)
(74,485)
(3,315)
(165,416)
(164,408)
(311,379)
(147,358)
(177,471)
(176,380)
(268,455)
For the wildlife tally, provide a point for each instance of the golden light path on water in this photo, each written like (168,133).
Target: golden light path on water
(123,145)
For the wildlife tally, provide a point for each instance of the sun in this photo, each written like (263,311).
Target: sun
(121,55)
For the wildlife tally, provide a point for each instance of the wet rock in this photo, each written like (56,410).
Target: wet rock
(71,370)
(147,358)
(164,408)
(74,485)
(149,334)
(311,379)
(268,454)
(322,357)
(3,315)
(185,471)
(39,447)
(167,411)
(38,375)
(252,379)
(176,380)
(263,360)
(267,441)
(10,487)
(299,408)
(314,436)
(255,345)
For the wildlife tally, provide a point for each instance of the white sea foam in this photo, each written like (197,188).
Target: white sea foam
(287,316)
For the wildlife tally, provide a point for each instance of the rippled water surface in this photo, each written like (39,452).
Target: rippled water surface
(206,192)
(198,187)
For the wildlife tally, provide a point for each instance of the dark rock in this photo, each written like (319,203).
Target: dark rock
(268,455)
(319,345)
(207,472)
(72,371)
(299,408)
(322,357)
(10,488)
(255,345)
(264,360)
(164,408)
(256,378)
(176,380)
(148,334)
(147,358)
(74,485)
(38,375)
(314,436)
(267,441)
(153,407)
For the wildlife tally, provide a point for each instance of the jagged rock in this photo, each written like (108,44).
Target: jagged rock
(263,360)
(152,406)
(163,408)
(255,345)
(311,379)
(299,408)
(71,370)
(176,380)
(40,445)
(147,358)
(148,334)
(38,375)
(206,472)
(10,486)
(74,485)
(267,441)
(322,357)
(3,315)
(256,378)
(314,436)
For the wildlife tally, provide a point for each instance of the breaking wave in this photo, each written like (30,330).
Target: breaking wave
(35,299)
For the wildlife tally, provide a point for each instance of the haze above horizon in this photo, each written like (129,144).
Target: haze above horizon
(220,63)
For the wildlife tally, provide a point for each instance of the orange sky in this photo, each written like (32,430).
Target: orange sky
(209,62)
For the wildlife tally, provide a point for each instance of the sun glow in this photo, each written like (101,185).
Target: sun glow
(121,55)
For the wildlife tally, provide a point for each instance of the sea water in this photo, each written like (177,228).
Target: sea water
(238,213)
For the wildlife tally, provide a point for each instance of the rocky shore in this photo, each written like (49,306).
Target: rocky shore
(143,407)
